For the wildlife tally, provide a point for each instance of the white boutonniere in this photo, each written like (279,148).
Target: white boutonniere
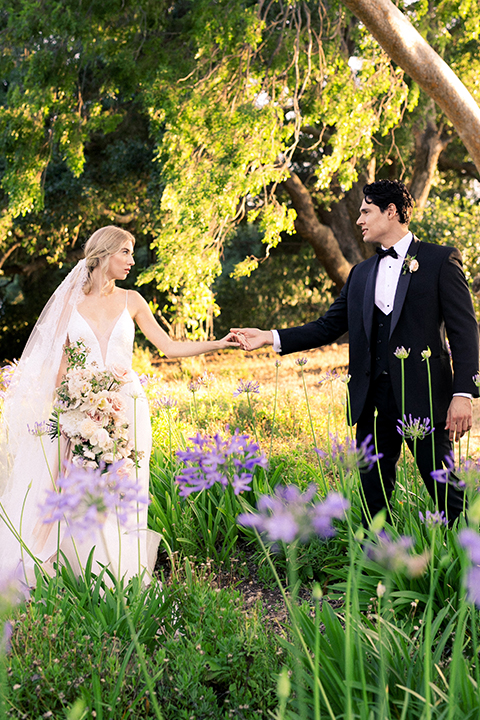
(410,264)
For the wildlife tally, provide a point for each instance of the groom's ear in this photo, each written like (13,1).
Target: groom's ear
(392,211)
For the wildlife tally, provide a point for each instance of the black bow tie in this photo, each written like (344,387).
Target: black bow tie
(390,251)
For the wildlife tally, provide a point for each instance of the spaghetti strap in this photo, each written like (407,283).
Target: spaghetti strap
(126,299)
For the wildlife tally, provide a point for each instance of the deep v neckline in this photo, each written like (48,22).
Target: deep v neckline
(108,331)
(104,339)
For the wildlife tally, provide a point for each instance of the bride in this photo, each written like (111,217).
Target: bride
(86,308)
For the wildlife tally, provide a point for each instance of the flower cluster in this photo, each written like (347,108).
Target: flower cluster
(202,381)
(290,515)
(6,374)
(251,386)
(470,540)
(92,413)
(348,455)
(433,519)
(87,495)
(329,376)
(165,402)
(466,475)
(213,459)
(395,555)
(402,353)
(414,429)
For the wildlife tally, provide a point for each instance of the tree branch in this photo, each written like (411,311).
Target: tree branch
(320,237)
(408,49)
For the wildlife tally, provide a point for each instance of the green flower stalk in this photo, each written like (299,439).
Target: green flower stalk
(426,354)
(194,386)
(301,362)
(248,388)
(402,354)
(277,365)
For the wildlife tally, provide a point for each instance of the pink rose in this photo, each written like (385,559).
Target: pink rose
(117,403)
(121,374)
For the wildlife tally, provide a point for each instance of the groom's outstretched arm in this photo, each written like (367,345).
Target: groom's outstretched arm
(253,338)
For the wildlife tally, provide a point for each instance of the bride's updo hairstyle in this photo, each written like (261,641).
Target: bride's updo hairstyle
(100,246)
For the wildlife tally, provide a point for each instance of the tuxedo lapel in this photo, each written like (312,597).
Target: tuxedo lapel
(369,298)
(402,287)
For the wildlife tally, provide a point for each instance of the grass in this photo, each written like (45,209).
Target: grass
(366,637)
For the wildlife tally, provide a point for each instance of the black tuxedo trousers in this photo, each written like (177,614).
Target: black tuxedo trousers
(430,304)
(378,484)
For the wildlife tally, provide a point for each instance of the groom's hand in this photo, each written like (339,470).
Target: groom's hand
(459,417)
(252,338)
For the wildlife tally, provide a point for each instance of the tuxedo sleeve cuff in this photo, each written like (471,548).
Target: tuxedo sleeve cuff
(466,395)
(277,345)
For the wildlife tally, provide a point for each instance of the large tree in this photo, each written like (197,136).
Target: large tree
(183,118)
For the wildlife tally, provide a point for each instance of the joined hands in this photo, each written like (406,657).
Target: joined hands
(252,338)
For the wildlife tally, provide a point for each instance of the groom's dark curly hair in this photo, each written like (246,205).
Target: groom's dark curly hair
(385,192)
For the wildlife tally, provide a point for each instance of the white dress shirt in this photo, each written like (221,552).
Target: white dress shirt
(389,270)
(388,275)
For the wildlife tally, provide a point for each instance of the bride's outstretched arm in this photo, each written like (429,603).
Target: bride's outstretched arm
(145,320)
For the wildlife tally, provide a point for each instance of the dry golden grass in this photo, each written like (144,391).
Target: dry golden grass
(260,365)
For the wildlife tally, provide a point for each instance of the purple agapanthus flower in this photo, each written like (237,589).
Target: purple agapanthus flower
(290,515)
(472,582)
(470,540)
(414,428)
(163,401)
(250,386)
(301,361)
(214,459)
(87,496)
(194,386)
(395,555)
(432,519)
(39,428)
(6,375)
(13,588)
(328,377)
(207,379)
(348,455)
(465,475)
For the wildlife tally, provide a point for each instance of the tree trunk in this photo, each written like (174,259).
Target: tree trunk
(320,237)
(429,143)
(408,49)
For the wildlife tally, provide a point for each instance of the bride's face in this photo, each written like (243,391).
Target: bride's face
(119,264)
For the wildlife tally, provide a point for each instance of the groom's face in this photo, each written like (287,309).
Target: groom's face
(375,224)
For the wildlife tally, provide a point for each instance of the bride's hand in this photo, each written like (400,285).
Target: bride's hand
(229,341)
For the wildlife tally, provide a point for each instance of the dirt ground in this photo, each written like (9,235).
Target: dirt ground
(260,366)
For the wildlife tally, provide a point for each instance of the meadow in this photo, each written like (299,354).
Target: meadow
(271,599)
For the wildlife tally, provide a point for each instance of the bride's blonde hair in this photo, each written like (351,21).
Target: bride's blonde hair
(100,246)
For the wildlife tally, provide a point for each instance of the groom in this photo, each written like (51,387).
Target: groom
(409,295)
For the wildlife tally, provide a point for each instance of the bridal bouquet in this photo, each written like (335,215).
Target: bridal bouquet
(91,412)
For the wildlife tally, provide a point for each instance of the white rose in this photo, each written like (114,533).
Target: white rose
(87,428)
(414,265)
(102,439)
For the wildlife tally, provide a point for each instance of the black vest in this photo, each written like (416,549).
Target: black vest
(379,346)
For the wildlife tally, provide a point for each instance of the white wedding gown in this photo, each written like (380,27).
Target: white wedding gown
(125,553)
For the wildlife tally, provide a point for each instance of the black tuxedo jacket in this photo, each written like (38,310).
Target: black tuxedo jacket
(429,304)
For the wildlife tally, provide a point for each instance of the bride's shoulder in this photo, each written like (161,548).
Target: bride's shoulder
(135,301)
